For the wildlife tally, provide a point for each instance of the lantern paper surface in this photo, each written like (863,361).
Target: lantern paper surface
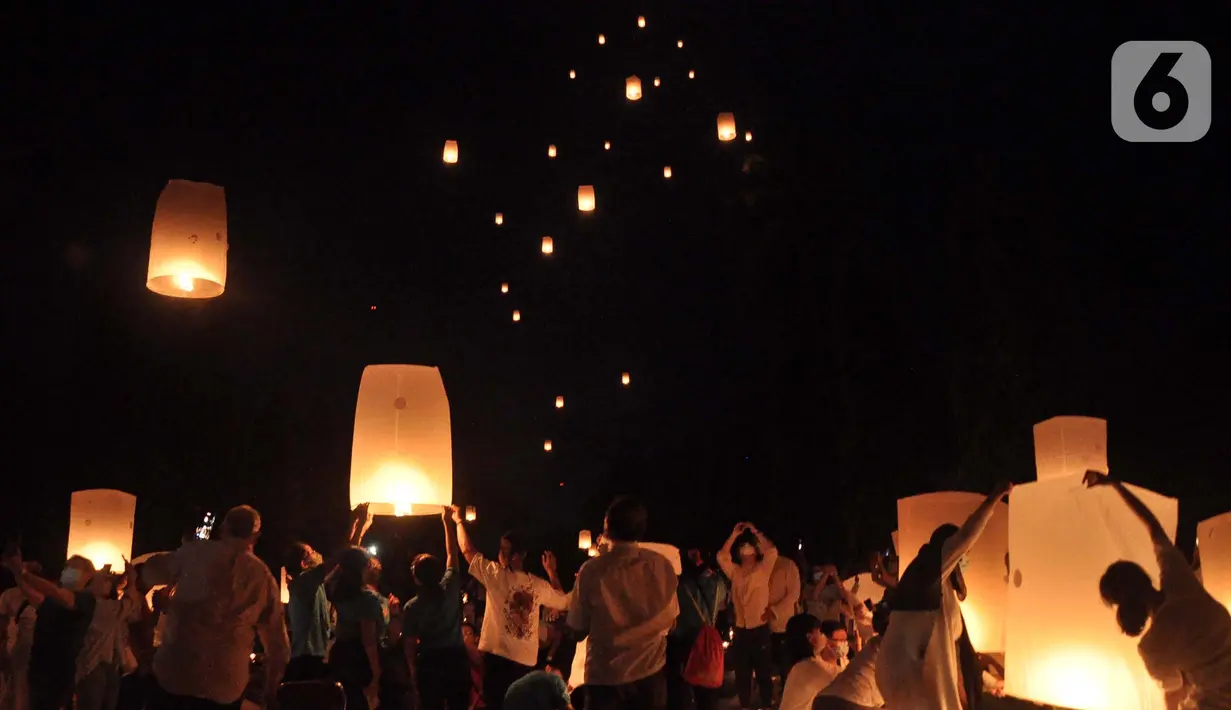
(986,587)
(499,218)
(551,151)
(1214,542)
(632,88)
(868,589)
(188,242)
(726,127)
(1064,647)
(402,457)
(548,245)
(671,552)
(748,136)
(504,287)
(606,145)
(471,514)
(572,74)
(547,446)
(100,526)
(896,549)
(692,74)
(657,81)
(516,316)
(559,402)
(585,198)
(602,39)
(641,21)
(1067,446)
(450,154)
(680,44)
(624,379)
(667,171)
(584,540)
(284,587)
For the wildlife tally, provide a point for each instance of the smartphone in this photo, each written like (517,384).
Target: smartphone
(206,528)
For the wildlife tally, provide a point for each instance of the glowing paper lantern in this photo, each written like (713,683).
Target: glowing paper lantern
(986,586)
(1064,647)
(551,151)
(188,242)
(100,526)
(606,145)
(402,457)
(680,44)
(1214,544)
(499,218)
(284,587)
(602,39)
(560,402)
(504,287)
(592,552)
(657,81)
(632,88)
(547,447)
(548,247)
(624,379)
(516,316)
(726,127)
(1068,446)
(585,198)
(450,154)
(667,171)
(641,21)
(896,550)
(692,74)
(572,74)
(748,136)
(584,540)
(471,514)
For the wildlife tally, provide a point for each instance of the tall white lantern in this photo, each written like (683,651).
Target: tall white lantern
(986,589)
(1068,446)
(1214,546)
(100,526)
(1064,647)
(402,457)
(585,198)
(632,88)
(188,243)
(726,127)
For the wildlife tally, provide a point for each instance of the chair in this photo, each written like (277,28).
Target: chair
(311,695)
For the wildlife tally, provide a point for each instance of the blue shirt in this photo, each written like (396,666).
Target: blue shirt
(368,606)
(539,690)
(435,615)
(308,613)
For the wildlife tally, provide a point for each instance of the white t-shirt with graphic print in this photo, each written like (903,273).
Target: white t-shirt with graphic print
(511,622)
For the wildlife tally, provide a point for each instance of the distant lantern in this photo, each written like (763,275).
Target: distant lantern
(548,247)
(504,287)
(471,514)
(560,402)
(188,242)
(584,540)
(585,198)
(692,74)
(516,316)
(450,154)
(657,81)
(748,136)
(606,145)
(624,378)
(547,446)
(572,73)
(641,21)
(592,552)
(726,127)
(632,88)
(551,151)
(667,171)
(602,39)
(499,218)
(680,44)
(100,526)
(284,587)
(402,457)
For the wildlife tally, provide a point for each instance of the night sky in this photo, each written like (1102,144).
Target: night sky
(934,240)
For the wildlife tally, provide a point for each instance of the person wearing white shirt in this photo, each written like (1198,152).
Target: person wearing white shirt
(17,619)
(814,657)
(750,597)
(784,590)
(855,687)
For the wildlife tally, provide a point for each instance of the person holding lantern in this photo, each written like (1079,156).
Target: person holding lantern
(749,565)
(1187,647)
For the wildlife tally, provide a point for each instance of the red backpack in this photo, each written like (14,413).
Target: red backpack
(704,668)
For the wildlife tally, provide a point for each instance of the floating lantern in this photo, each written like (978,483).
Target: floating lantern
(547,447)
(584,540)
(726,127)
(551,151)
(602,39)
(641,21)
(606,145)
(987,594)
(504,287)
(402,457)
(624,379)
(1063,645)
(188,242)
(667,171)
(680,44)
(1068,446)
(284,587)
(471,514)
(572,74)
(559,402)
(100,526)
(692,74)
(632,88)
(748,136)
(548,247)
(499,218)
(450,154)
(516,316)
(592,552)
(657,81)
(1214,544)
(585,198)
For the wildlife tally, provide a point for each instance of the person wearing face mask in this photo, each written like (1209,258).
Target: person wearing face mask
(756,556)
(1187,645)
(926,660)
(855,687)
(812,656)
(64,615)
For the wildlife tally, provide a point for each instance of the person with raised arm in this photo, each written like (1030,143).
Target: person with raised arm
(756,556)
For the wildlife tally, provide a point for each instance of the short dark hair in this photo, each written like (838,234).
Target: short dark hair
(296,555)
(427,571)
(516,542)
(829,626)
(626,519)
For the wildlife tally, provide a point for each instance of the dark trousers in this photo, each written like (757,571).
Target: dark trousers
(160,699)
(782,657)
(498,674)
(752,655)
(50,691)
(443,677)
(303,668)
(681,695)
(645,694)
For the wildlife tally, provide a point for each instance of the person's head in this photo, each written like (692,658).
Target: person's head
(835,632)
(469,636)
(1127,587)
(77,574)
(348,579)
(939,536)
(242,524)
(300,558)
(427,570)
(745,551)
(513,550)
(371,576)
(803,637)
(696,558)
(818,574)
(35,568)
(626,520)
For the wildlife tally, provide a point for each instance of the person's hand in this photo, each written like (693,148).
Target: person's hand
(549,562)
(739,529)
(1096,478)
(458,516)
(1004,489)
(395,605)
(362,513)
(751,528)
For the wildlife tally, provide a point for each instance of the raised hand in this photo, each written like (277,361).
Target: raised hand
(1096,478)
(549,562)
(458,516)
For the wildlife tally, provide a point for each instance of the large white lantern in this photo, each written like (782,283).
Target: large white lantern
(1069,446)
(450,154)
(188,243)
(100,526)
(1064,647)
(1214,547)
(585,198)
(402,457)
(726,127)
(986,590)
(632,88)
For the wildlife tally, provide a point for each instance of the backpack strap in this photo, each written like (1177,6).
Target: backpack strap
(707,618)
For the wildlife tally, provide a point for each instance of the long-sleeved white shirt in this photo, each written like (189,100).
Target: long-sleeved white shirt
(749,587)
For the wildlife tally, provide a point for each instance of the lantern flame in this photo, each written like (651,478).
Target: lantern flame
(632,88)
(504,287)
(183,282)
(748,136)
(680,44)
(572,74)
(499,218)
(726,127)
(657,81)
(692,74)
(471,514)
(606,145)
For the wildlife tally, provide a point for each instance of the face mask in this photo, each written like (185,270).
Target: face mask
(746,551)
(963,563)
(69,578)
(842,648)
(818,576)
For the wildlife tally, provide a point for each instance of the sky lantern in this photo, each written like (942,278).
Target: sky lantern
(585,198)
(748,136)
(1063,645)
(471,514)
(572,73)
(100,526)
(657,81)
(584,540)
(667,171)
(606,145)
(986,585)
(680,44)
(548,247)
(624,379)
(402,456)
(1214,548)
(560,402)
(726,127)
(592,552)
(641,21)
(284,587)
(547,447)
(188,242)
(632,88)
(692,74)
(499,218)
(504,287)
(450,154)
(602,39)
(1066,446)
(551,151)
(516,316)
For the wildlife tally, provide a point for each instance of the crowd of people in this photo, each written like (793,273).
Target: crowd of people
(204,627)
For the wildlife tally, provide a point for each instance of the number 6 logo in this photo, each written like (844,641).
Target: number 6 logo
(1161,92)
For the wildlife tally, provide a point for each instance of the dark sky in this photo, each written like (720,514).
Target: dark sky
(939,242)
